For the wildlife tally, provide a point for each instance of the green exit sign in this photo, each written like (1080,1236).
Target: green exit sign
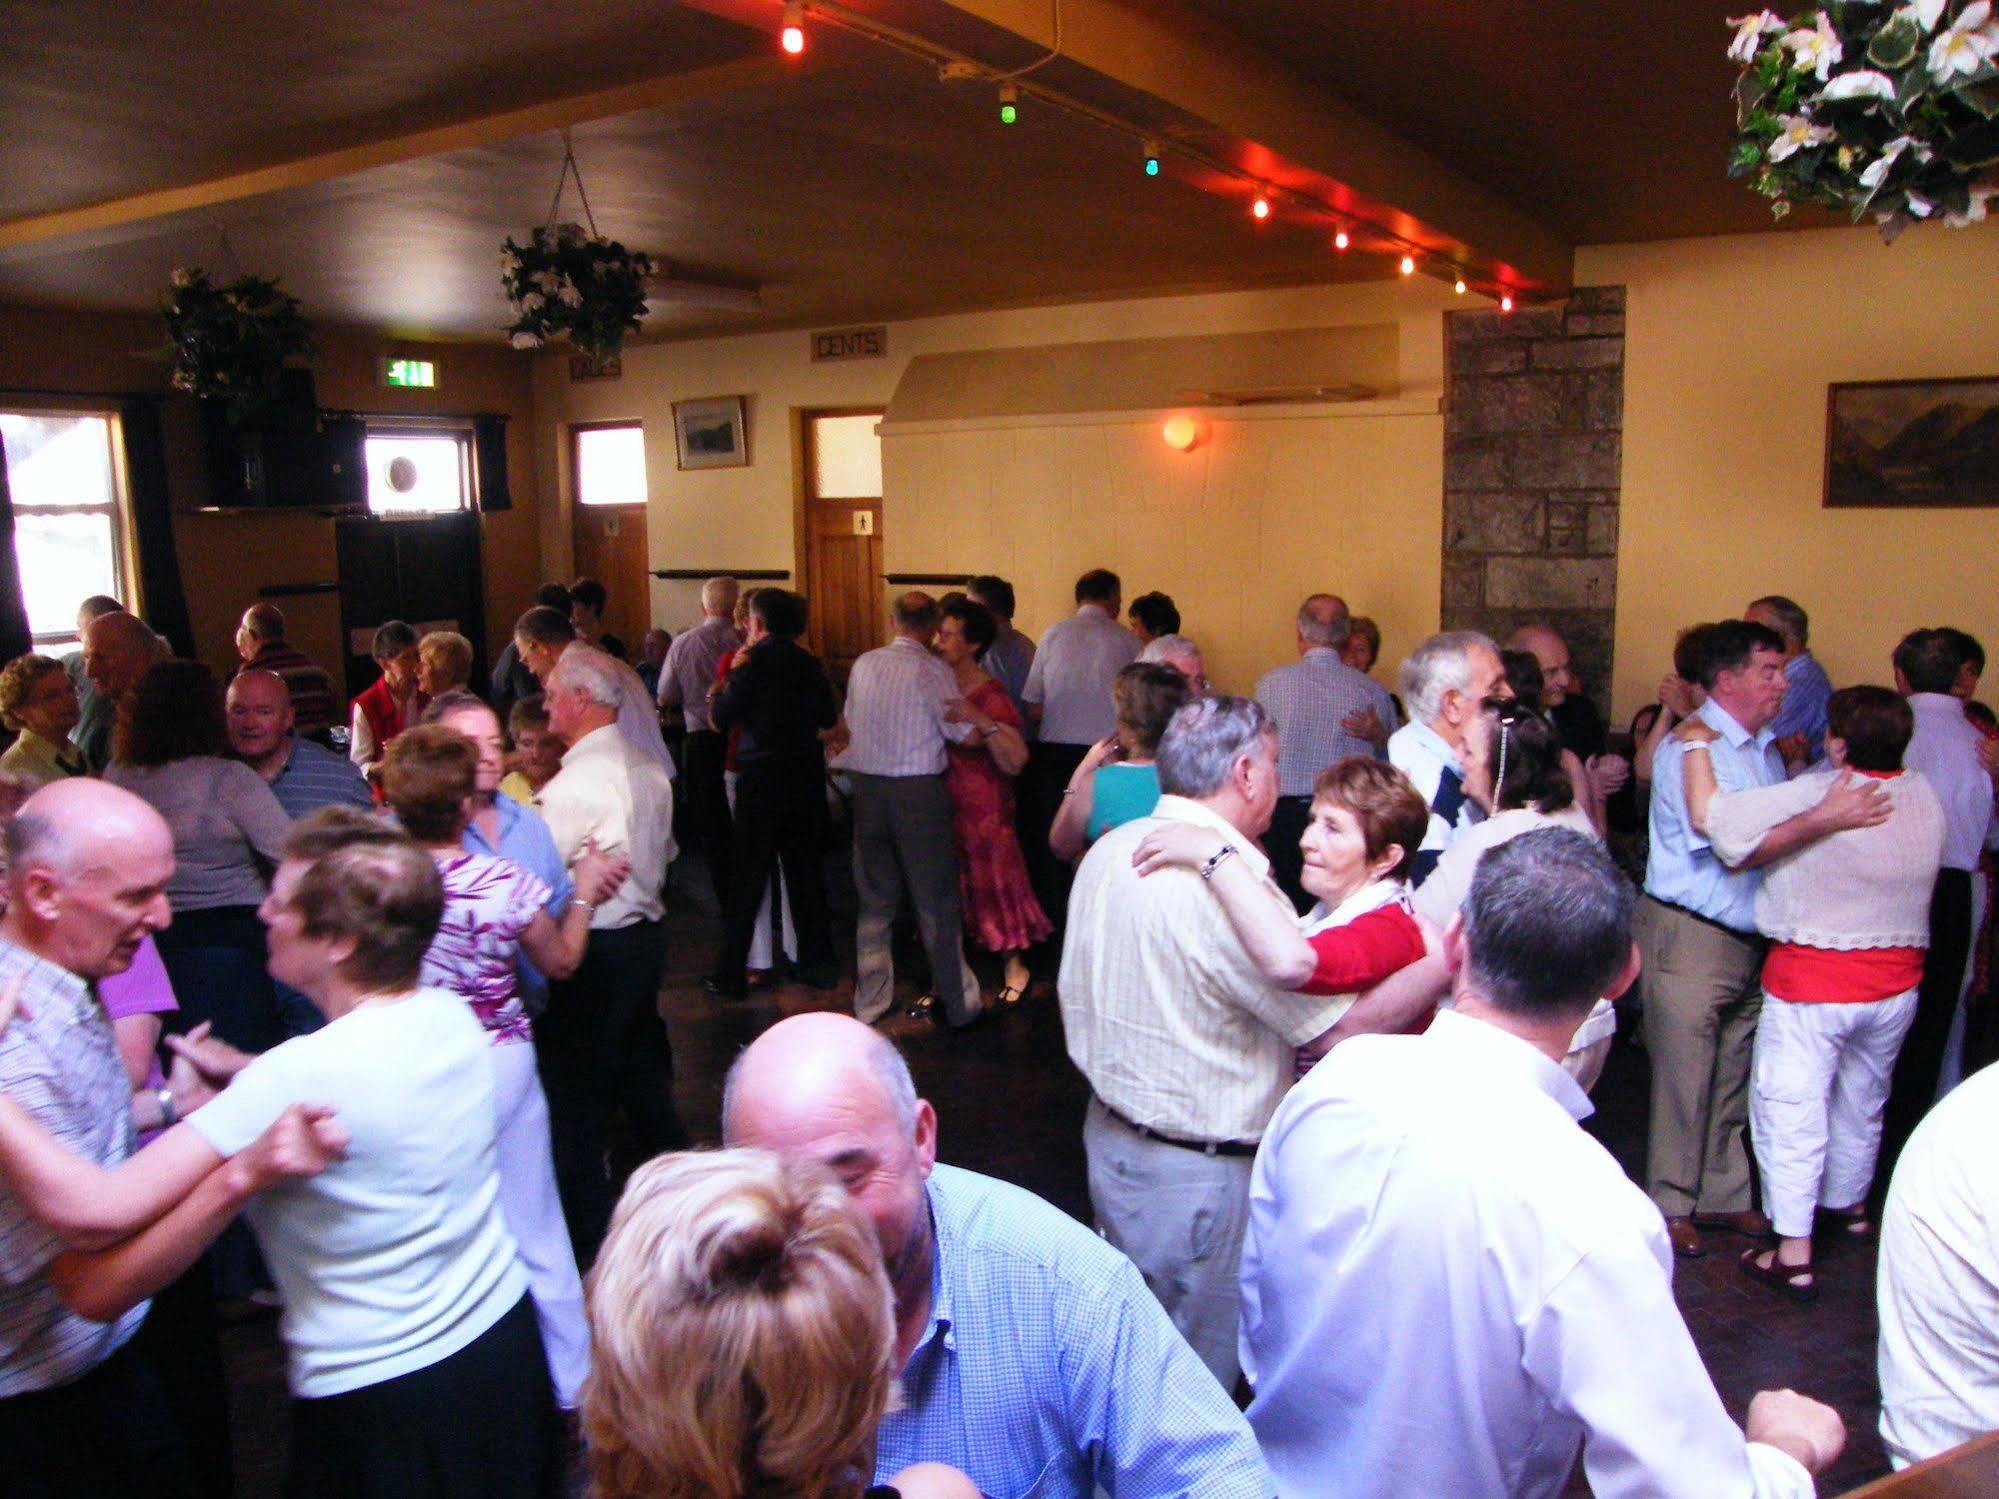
(413,374)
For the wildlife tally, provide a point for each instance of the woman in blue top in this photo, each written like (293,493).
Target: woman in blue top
(1116,782)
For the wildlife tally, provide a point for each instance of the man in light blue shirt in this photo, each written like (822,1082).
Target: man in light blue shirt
(1696,927)
(1799,727)
(1033,1357)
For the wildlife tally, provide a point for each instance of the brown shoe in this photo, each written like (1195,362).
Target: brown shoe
(1686,1239)
(1749,1223)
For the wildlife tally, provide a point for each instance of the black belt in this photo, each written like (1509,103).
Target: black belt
(1205,1147)
(1719,926)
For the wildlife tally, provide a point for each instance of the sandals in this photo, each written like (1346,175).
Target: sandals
(1795,1281)
(1848,1223)
(1011,995)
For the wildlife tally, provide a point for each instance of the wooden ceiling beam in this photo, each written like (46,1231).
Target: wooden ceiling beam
(24,234)
(1192,65)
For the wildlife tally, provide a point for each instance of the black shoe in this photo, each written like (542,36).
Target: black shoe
(722,988)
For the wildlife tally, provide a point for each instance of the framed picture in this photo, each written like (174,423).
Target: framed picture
(1900,444)
(709,434)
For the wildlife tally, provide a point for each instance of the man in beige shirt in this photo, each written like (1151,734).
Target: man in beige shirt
(602,1044)
(1186,1046)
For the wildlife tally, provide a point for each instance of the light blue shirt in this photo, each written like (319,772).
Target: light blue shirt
(1807,692)
(1049,1369)
(1682,870)
(525,839)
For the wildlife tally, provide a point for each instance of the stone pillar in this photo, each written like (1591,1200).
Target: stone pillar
(1533,435)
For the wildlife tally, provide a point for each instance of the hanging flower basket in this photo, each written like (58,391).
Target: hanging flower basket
(565,281)
(230,341)
(1873,108)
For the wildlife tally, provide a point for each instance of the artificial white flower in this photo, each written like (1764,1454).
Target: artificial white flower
(1929,12)
(548,281)
(1749,34)
(568,295)
(1816,50)
(184,275)
(1974,213)
(1920,207)
(1971,41)
(1862,83)
(532,302)
(525,341)
(1798,133)
(1878,169)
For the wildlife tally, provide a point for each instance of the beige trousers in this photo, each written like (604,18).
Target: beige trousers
(1703,994)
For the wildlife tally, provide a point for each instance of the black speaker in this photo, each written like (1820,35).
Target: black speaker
(287,455)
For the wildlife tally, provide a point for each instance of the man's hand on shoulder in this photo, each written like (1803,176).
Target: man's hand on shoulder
(1853,802)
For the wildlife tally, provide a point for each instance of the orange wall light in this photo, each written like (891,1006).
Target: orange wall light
(1184,433)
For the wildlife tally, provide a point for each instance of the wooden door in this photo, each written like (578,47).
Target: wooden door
(611,547)
(840,535)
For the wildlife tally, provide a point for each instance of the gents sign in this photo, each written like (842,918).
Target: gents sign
(850,343)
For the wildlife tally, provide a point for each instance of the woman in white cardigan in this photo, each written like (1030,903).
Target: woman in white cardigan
(1848,923)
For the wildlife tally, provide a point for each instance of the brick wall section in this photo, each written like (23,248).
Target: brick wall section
(1533,434)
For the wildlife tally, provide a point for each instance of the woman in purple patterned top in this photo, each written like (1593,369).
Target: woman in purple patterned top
(494,911)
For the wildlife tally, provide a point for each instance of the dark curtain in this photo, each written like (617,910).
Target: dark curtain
(15,637)
(152,521)
(489,442)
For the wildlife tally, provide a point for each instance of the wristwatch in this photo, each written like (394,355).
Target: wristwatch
(169,1115)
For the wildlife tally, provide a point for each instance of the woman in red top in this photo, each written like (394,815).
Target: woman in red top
(1000,908)
(392,703)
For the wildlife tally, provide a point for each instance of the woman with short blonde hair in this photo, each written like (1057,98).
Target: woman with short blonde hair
(443,663)
(742,1337)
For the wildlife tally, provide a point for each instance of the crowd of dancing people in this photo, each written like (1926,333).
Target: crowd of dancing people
(354,1010)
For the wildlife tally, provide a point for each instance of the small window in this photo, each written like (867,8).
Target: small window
(62,474)
(417,472)
(846,457)
(611,464)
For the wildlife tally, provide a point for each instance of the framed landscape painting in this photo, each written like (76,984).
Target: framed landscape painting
(1901,444)
(709,434)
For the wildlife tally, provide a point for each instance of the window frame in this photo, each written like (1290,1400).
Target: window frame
(576,431)
(124,537)
(459,429)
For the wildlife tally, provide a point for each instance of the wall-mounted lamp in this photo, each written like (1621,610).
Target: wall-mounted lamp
(1184,433)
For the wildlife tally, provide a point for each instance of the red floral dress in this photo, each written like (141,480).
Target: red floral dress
(1000,909)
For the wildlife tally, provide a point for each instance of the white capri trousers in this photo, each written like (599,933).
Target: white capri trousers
(1818,1085)
(533,1211)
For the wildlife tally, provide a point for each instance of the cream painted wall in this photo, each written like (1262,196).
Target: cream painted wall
(1333,502)
(1730,344)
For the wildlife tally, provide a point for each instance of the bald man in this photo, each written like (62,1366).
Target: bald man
(118,649)
(263,734)
(1571,710)
(261,643)
(81,1411)
(1033,1358)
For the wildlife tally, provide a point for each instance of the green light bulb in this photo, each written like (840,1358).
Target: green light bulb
(1008,114)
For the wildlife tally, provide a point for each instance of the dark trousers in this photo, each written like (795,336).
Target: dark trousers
(481,1424)
(780,819)
(181,1341)
(1288,821)
(708,804)
(108,1435)
(602,1047)
(1049,767)
(1921,1061)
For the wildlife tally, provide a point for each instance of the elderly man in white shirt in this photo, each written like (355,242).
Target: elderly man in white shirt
(1447,1287)
(1938,1293)
(602,1044)
(1445,682)
(899,718)
(1186,1046)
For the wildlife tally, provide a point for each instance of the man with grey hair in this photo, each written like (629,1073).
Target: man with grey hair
(1180,653)
(1186,1046)
(1800,724)
(601,1044)
(1445,682)
(1018,1331)
(684,683)
(1325,711)
(900,717)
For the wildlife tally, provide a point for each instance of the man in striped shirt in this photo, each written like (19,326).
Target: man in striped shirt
(899,700)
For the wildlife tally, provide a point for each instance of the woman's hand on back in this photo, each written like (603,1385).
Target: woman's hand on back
(1176,846)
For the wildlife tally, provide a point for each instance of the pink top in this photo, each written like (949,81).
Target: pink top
(142,989)
(488,903)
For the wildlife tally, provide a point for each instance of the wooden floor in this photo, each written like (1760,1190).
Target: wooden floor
(1012,1105)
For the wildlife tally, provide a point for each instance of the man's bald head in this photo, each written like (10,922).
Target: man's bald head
(1558,677)
(259,713)
(87,871)
(1323,621)
(117,650)
(811,1059)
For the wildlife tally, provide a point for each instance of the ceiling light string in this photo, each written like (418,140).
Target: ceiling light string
(953,66)
(1054,50)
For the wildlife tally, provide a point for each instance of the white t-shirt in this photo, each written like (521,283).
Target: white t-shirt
(395,1257)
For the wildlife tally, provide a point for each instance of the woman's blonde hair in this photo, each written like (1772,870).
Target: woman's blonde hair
(449,653)
(742,1334)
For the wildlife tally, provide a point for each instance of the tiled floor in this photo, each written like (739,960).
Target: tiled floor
(1012,1105)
